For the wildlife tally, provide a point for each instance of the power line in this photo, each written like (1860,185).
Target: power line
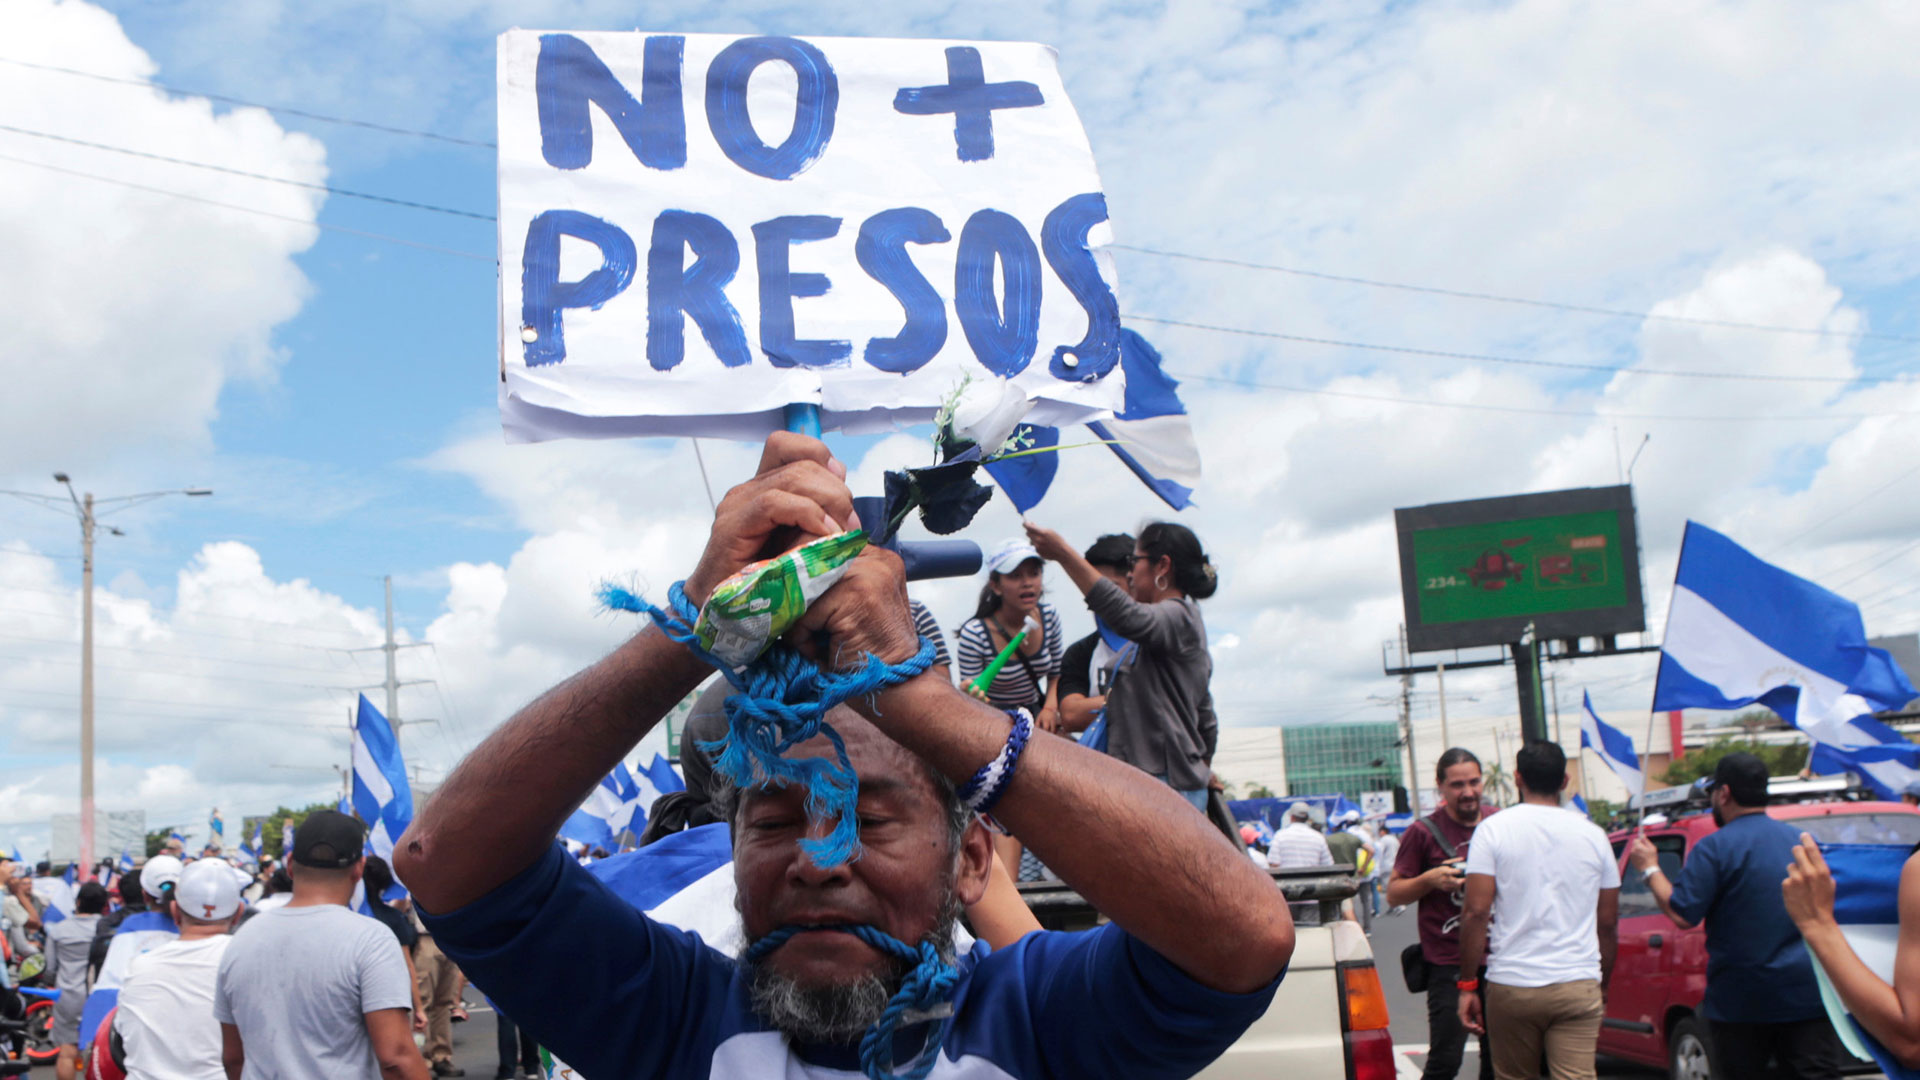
(1462,294)
(1410,350)
(230,171)
(228,100)
(1828,519)
(1248,384)
(250,210)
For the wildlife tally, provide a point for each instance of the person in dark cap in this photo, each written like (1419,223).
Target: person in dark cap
(312,989)
(1762,1001)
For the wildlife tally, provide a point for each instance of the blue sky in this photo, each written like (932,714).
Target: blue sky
(1739,163)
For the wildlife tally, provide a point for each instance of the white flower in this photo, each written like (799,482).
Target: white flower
(986,411)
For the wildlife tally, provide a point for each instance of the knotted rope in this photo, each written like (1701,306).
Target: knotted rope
(782,700)
(928,986)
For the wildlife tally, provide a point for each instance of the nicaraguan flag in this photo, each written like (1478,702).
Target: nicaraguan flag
(659,779)
(1613,747)
(1025,479)
(1741,631)
(609,811)
(126,860)
(1577,804)
(1866,904)
(1151,432)
(217,827)
(381,796)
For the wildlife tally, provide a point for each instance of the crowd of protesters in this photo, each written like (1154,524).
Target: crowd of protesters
(321,966)
(317,966)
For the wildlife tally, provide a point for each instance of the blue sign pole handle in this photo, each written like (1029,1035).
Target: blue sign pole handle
(803,418)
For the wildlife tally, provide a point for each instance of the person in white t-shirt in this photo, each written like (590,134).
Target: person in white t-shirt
(1548,881)
(165,1015)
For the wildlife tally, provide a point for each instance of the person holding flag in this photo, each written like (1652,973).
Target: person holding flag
(1162,720)
(1762,1000)
(1087,667)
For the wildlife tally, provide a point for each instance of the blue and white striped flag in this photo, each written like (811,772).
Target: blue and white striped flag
(1578,804)
(126,860)
(1866,904)
(217,827)
(1151,431)
(174,834)
(609,811)
(1612,746)
(1150,434)
(1741,631)
(659,779)
(381,795)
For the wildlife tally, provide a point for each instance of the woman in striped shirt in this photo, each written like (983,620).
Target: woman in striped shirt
(1011,596)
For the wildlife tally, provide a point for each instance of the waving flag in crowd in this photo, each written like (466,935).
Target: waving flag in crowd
(381,796)
(1151,434)
(1612,746)
(126,860)
(216,829)
(174,834)
(1866,904)
(1741,631)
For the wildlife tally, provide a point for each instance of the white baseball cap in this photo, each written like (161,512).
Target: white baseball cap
(208,890)
(156,872)
(1010,554)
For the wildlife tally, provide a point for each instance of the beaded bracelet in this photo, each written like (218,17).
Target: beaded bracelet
(986,786)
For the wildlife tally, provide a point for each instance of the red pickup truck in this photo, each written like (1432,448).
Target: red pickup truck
(1660,974)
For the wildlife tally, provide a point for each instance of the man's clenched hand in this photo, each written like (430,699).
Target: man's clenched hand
(865,612)
(799,495)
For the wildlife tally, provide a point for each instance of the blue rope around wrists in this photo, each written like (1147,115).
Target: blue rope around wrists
(782,700)
(929,985)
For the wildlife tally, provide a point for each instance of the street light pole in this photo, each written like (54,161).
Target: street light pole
(83,508)
(86,683)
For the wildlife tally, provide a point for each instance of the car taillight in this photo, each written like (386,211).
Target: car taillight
(1363,1019)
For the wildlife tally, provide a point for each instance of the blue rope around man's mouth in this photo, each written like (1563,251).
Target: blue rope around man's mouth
(929,985)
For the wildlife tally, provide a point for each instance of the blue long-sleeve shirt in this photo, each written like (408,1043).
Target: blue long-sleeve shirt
(617,995)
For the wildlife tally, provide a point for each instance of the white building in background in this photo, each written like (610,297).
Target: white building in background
(1251,756)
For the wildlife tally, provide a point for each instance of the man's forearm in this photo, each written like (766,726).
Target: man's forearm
(1402,891)
(1178,875)
(500,809)
(1473,943)
(1662,890)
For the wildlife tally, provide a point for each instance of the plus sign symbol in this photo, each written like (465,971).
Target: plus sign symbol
(971,99)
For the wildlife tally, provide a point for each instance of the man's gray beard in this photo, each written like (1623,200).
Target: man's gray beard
(840,1014)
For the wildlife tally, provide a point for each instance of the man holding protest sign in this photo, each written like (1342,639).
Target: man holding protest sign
(1141,997)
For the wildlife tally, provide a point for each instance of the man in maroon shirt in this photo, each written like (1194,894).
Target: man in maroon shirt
(1429,869)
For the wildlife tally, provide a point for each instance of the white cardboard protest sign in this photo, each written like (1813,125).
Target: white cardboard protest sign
(697,230)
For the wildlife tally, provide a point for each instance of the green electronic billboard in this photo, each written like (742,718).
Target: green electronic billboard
(1480,572)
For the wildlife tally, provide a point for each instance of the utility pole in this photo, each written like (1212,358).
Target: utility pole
(83,508)
(1440,673)
(393,683)
(1406,724)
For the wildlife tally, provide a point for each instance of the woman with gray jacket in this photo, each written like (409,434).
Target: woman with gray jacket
(1160,712)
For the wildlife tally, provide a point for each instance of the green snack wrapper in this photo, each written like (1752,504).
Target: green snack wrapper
(750,610)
